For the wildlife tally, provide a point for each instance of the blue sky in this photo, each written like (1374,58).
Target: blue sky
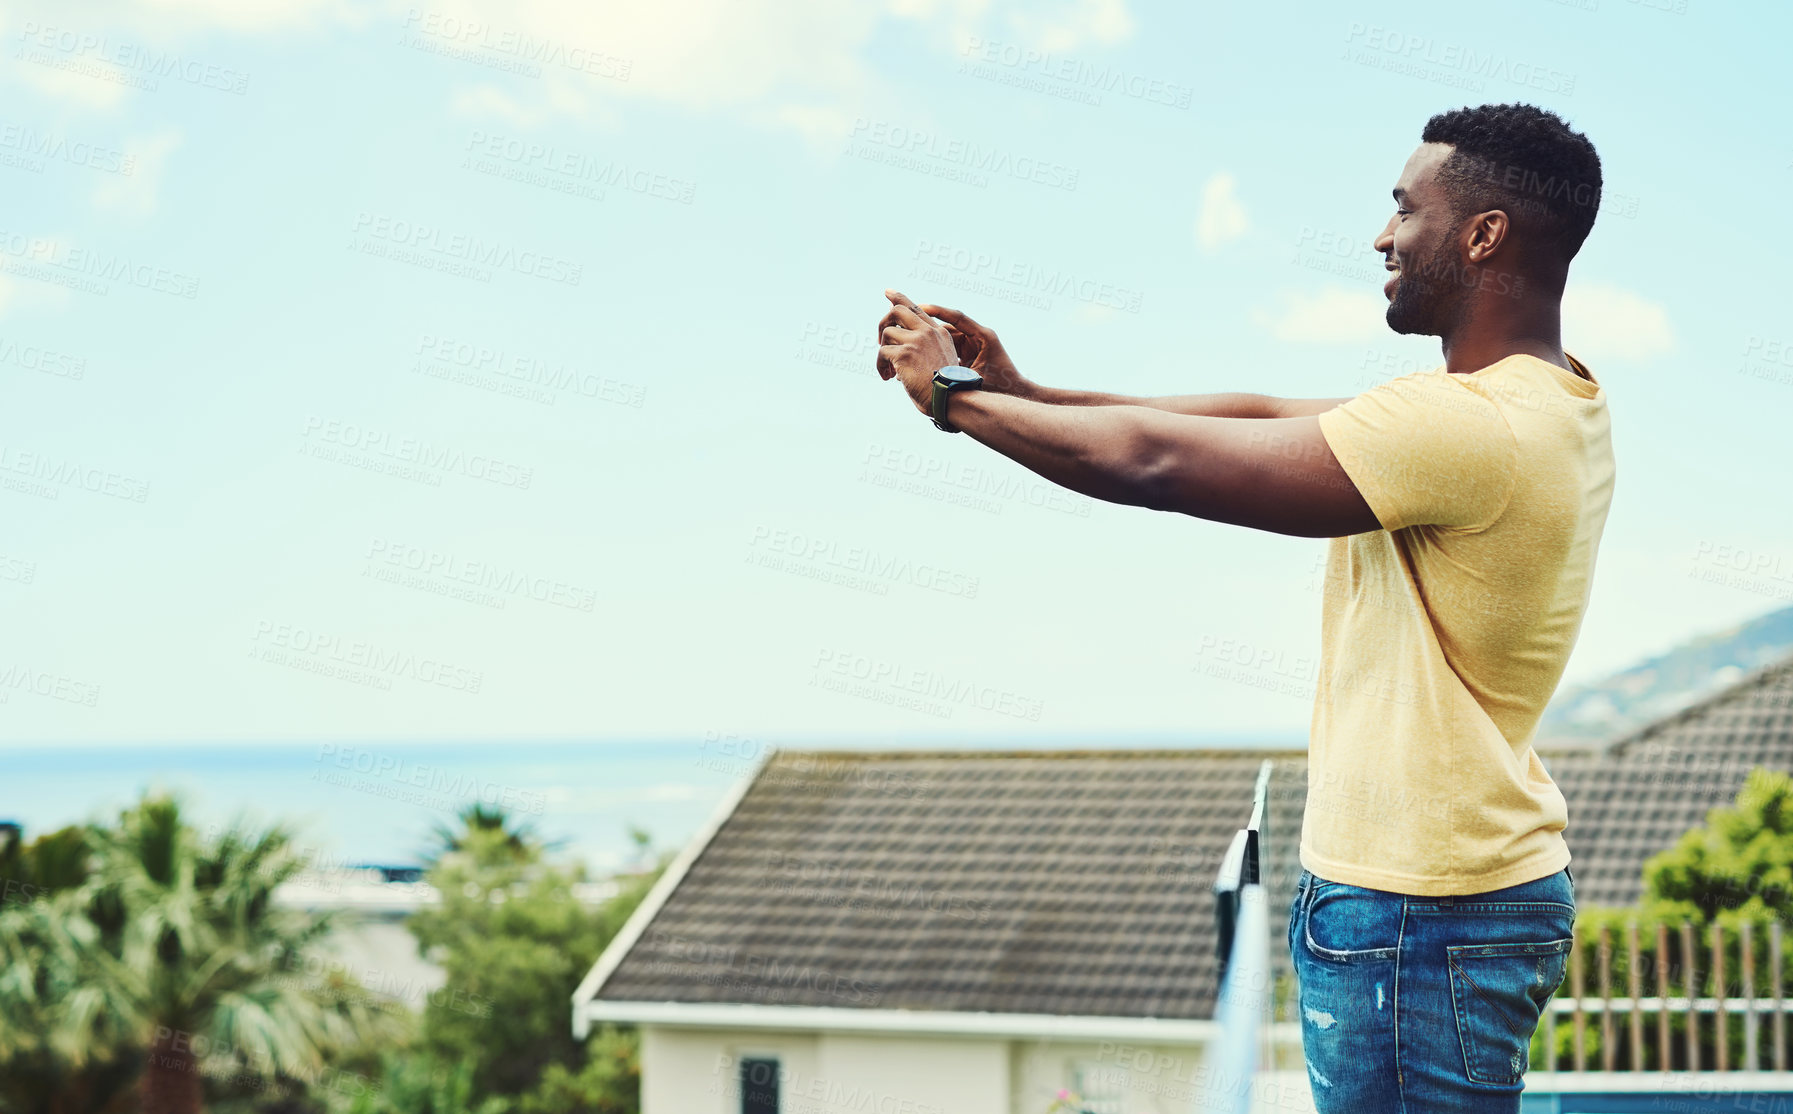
(481,371)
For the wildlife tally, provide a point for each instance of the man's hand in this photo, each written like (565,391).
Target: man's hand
(912,346)
(980,351)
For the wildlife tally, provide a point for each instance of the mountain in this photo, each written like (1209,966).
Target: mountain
(1667,683)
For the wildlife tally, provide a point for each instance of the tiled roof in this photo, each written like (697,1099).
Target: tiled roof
(1059,882)
(1635,796)
(1080,882)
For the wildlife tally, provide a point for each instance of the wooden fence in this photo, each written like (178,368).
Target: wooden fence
(1688,1001)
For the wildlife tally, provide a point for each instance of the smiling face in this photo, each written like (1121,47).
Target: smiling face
(1426,291)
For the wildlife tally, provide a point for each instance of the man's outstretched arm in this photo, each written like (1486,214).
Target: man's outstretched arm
(1275,474)
(1226,405)
(980,349)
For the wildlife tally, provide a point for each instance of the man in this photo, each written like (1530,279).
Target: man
(1433,916)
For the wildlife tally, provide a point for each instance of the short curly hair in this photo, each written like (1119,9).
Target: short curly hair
(1526,161)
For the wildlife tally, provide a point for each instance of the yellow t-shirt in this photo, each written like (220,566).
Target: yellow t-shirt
(1444,634)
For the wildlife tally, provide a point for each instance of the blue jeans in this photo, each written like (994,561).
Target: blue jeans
(1416,1005)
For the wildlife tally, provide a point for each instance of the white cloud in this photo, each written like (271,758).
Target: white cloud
(1102,21)
(1335,315)
(1067,25)
(794,65)
(56,59)
(65,86)
(784,66)
(486,102)
(163,18)
(1221,218)
(136,193)
(1603,320)
(779,63)
(19,297)
(824,126)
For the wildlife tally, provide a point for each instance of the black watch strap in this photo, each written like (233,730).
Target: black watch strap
(937,404)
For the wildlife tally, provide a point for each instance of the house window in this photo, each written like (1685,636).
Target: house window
(1102,1087)
(759,1085)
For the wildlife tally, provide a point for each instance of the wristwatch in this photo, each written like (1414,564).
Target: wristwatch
(948,379)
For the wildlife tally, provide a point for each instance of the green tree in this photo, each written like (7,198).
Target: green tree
(48,1066)
(514,940)
(1739,866)
(170,953)
(609,1082)
(490,831)
(419,1085)
(1736,868)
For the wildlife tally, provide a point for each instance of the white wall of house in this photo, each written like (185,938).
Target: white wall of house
(696,1071)
(919,1075)
(1109,1077)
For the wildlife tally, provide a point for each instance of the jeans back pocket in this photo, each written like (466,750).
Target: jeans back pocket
(1499,991)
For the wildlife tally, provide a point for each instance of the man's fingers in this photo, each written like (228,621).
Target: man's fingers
(888,320)
(967,345)
(951,316)
(894,318)
(910,317)
(903,326)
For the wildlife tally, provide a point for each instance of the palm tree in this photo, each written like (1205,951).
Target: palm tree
(174,945)
(46,1065)
(490,831)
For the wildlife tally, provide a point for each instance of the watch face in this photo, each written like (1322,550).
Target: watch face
(953,373)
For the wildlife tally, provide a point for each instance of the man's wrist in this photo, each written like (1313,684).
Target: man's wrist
(963,408)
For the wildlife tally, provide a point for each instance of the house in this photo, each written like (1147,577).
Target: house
(969,932)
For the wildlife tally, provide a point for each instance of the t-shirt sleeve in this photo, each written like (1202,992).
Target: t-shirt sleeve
(1425,450)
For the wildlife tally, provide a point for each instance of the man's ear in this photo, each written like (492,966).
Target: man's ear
(1486,234)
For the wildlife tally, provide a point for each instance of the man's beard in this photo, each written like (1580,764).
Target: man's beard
(1427,300)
